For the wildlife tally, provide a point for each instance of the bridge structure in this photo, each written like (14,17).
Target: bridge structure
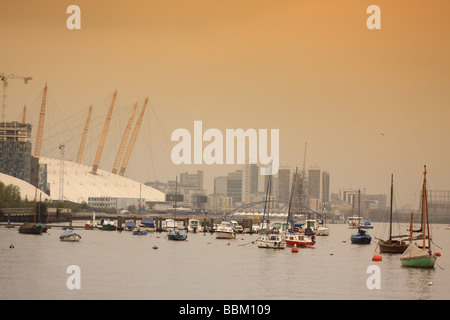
(278,208)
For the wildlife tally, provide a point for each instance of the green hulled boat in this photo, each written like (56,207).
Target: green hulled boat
(417,257)
(413,255)
(108,225)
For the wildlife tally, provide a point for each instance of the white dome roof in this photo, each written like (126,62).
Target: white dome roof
(80,183)
(27,190)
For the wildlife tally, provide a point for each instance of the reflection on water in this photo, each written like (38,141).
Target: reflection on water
(119,265)
(416,278)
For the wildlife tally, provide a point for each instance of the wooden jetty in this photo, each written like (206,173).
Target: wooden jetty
(65,220)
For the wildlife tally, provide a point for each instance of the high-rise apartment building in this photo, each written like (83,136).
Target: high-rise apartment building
(318,185)
(230,186)
(234,186)
(15,150)
(249,181)
(284,184)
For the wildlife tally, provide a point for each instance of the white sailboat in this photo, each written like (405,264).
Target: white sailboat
(266,239)
(293,236)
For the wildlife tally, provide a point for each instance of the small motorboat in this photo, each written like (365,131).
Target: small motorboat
(70,236)
(271,241)
(139,232)
(225,230)
(177,235)
(362,237)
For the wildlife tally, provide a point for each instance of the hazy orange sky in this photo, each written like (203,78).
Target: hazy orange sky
(368,103)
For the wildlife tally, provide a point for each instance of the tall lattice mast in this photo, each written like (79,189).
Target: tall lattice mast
(40,130)
(124,141)
(101,143)
(132,140)
(83,139)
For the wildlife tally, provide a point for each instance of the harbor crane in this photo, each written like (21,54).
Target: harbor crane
(4,77)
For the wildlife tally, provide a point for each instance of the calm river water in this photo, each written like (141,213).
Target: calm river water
(120,265)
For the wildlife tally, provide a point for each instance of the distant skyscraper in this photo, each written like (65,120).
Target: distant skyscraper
(284,184)
(220,186)
(249,181)
(229,186)
(234,186)
(319,184)
(193,180)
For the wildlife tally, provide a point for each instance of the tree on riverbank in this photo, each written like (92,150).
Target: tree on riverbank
(9,196)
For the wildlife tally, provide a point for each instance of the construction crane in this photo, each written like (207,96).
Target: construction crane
(4,77)
(101,143)
(83,139)
(124,141)
(40,130)
(132,140)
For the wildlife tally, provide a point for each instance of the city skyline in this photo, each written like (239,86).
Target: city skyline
(368,103)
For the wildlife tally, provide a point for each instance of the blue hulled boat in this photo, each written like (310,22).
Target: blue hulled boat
(362,237)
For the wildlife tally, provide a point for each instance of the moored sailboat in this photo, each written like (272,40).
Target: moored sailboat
(296,236)
(362,237)
(266,239)
(31,228)
(413,255)
(175,233)
(390,245)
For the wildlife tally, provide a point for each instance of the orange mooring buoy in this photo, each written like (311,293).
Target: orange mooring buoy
(294,249)
(377,257)
(437,254)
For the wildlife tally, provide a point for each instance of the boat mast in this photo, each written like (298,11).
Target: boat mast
(425,209)
(410,228)
(323,203)
(268,202)
(390,217)
(176,185)
(265,205)
(359,205)
(291,218)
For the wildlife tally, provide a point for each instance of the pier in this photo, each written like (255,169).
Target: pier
(65,220)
